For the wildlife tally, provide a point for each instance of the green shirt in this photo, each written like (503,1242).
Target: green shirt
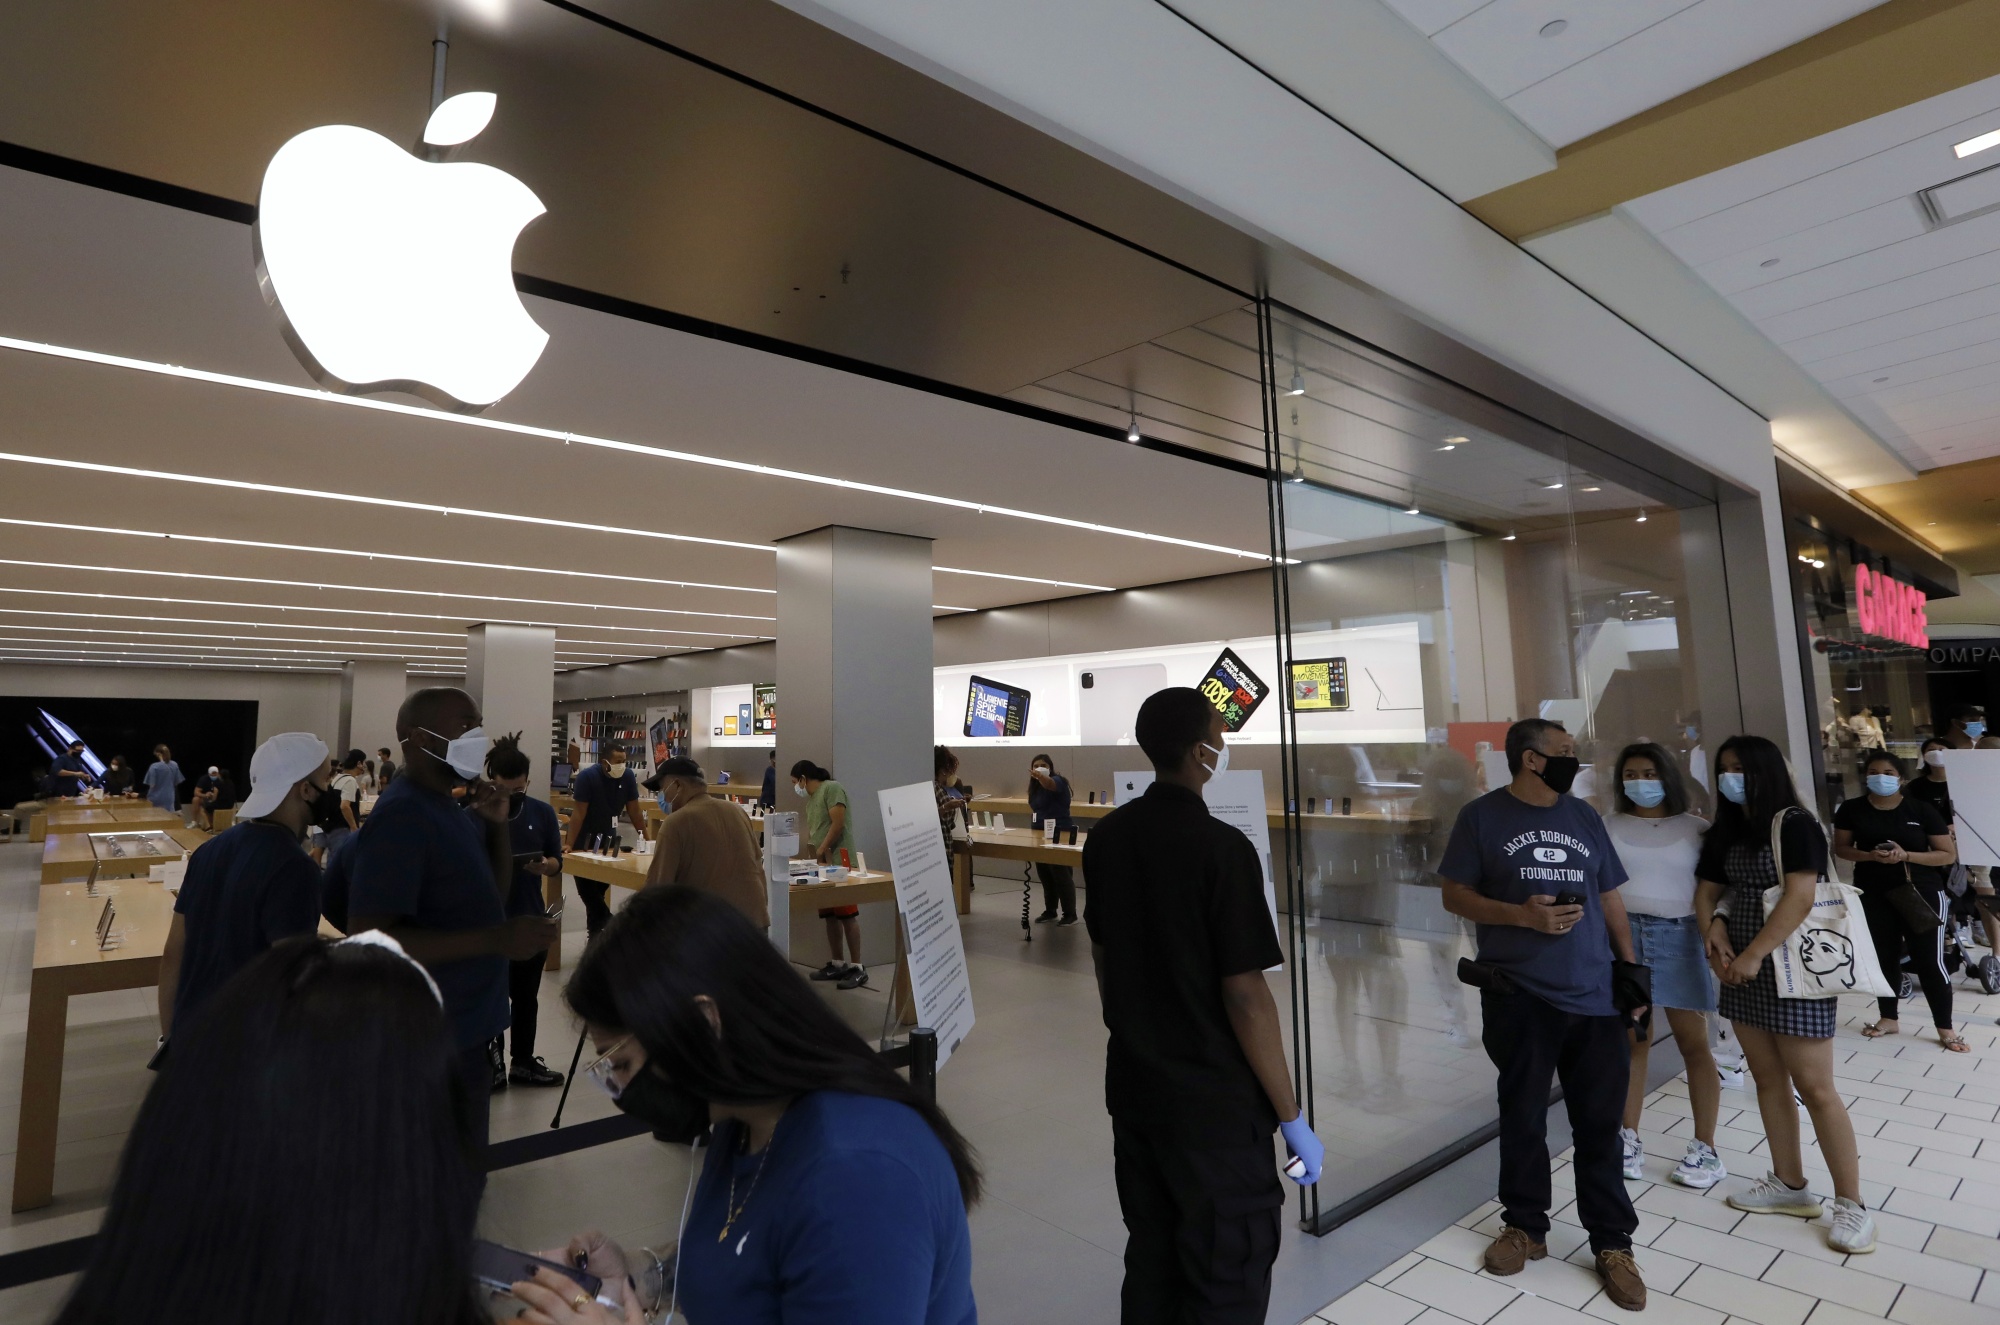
(819,817)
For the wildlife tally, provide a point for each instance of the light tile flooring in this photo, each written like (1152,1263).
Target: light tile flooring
(1930,1160)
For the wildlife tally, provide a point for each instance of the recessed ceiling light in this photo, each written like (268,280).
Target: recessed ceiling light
(1973,146)
(1449,446)
(1555,27)
(1592,488)
(1552,485)
(1770,262)
(1457,441)
(1298,387)
(1412,510)
(1642,517)
(1507,538)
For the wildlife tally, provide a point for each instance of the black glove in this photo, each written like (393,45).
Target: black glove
(1632,987)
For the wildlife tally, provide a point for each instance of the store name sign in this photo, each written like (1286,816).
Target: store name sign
(1891,609)
(393,273)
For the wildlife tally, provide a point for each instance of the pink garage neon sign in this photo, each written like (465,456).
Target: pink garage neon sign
(1891,609)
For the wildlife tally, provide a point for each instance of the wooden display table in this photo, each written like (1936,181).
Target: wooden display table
(72,854)
(57,815)
(1362,820)
(68,961)
(629,871)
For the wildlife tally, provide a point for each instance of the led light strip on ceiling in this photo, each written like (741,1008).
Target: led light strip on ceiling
(637,647)
(367,611)
(582,439)
(370,588)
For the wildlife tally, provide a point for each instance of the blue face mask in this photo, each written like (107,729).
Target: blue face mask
(1732,788)
(1645,792)
(1975,729)
(1884,784)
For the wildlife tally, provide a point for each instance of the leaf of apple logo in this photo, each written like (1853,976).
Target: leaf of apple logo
(392,273)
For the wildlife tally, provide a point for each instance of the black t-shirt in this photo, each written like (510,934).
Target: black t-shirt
(1937,795)
(246,889)
(1176,902)
(1801,840)
(1911,825)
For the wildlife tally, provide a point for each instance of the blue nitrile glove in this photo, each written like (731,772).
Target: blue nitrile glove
(1299,1139)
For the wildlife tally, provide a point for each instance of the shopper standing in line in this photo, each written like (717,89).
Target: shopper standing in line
(73,776)
(163,780)
(1048,802)
(1788,1041)
(827,834)
(602,792)
(1195,1077)
(1932,785)
(950,800)
(1894,839)
(534,838)
(706,843)
(1658,842)
(434,875)
(252,885)
(385,770)
(1534,869)
(768,796)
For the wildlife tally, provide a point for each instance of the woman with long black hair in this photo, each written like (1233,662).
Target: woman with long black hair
(1788,1041)
(832,1193)
(305,1156)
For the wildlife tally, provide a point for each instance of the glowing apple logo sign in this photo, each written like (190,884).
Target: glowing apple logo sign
(396,274)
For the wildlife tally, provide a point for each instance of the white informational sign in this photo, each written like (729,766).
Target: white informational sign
(936,949)
(1129,787)
(781,843)
(1237,798)
(1975,802)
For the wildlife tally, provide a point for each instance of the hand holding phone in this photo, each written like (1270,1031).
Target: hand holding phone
(500,1268)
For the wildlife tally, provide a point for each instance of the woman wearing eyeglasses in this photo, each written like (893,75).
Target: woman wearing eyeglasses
(705,1032)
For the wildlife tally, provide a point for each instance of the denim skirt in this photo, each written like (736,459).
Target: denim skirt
(1674,950)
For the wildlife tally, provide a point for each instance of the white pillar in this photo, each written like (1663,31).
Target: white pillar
(370,693)
(854,683)
(511,671)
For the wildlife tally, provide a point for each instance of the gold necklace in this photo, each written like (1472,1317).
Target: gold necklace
(730,1209)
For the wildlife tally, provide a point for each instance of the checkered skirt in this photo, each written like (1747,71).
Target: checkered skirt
(1749,872)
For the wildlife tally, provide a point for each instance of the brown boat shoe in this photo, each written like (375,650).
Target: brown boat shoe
(1512,1250)
(1622,1283)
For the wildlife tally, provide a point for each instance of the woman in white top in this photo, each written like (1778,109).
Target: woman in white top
(1659,841)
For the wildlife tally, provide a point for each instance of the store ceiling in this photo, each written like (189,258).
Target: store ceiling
(1954,508)
(101,272)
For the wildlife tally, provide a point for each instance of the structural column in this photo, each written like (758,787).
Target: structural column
(371,691)
(854,684)
(511,671)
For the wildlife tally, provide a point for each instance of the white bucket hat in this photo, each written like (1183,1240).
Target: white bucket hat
(279,764)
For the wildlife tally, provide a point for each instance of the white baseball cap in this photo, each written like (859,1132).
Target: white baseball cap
(279,764)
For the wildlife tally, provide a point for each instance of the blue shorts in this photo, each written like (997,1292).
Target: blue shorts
(1674,950)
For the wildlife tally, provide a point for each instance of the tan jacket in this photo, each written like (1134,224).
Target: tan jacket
(709,844)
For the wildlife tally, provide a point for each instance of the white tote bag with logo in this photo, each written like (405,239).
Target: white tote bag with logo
(1832,953)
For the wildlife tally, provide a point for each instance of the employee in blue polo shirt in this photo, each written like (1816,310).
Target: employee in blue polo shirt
(535,837)
(602,792)
(1534,869)
(73,776)
(434,875)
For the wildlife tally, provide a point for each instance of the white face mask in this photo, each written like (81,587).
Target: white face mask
(1935,758)
(799,790)
(466,754)
(616,768)
(1221,759)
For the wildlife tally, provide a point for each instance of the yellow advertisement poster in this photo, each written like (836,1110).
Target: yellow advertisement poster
(729,724)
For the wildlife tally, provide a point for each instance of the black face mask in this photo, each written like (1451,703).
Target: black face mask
(514,804)
(1559,772)
(674,1114)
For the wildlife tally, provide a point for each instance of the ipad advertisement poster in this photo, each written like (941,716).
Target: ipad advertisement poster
(1358,685)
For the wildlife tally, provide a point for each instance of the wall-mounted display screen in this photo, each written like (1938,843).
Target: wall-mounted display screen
(764,710)
(1234,689)
(994,708)
(1319,685)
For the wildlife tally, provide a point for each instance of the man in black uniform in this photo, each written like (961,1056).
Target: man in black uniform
(1195,1076)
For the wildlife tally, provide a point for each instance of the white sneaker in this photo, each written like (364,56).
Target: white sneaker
(1732,1074)
(1700,1168)
(1853,1228)
(1635,1153)
(1770,1196)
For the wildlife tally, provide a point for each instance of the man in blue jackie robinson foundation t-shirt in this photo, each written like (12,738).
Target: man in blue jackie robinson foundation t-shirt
(1535,870)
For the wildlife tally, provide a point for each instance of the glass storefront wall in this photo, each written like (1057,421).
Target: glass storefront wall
(1868,691)
(1450,567)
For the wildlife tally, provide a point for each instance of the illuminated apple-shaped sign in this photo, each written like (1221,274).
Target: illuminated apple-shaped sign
(393,273)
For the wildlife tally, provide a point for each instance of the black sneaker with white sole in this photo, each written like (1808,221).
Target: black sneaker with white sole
(533,1072)
(830,971)
(856,977)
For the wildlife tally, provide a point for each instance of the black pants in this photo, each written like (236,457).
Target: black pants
(475,1074)
(524,988)
(1892,938)
(1202,1229)
(1531,1041)
(596,910)
(1058,889)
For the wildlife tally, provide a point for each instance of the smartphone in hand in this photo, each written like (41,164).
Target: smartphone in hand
(500,1268)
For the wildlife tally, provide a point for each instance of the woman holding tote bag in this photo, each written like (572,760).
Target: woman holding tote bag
(1788,1041)
(1900,847)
